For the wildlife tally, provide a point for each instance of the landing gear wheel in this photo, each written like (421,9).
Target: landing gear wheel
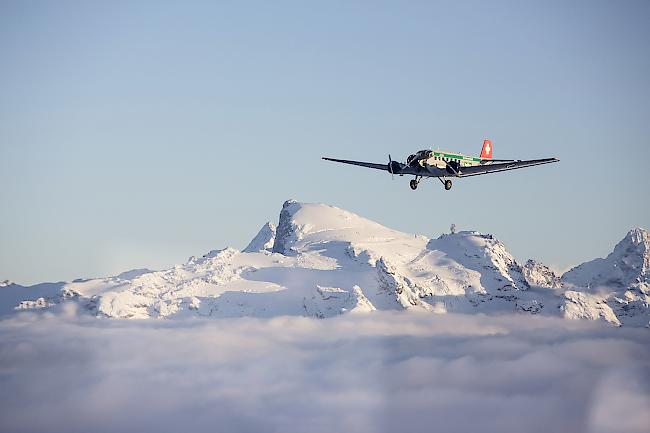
(413,184)
(448,184)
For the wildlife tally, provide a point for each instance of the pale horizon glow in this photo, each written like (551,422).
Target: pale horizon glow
(137,135)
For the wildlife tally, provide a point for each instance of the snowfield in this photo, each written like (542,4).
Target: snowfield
(322,261)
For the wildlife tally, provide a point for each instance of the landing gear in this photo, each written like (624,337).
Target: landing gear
(415,182)
(446,183)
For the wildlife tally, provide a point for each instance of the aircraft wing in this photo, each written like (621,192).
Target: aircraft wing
(362,164)
(495,168)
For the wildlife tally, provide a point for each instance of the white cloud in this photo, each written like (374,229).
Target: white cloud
(368,372)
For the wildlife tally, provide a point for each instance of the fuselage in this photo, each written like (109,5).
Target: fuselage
(440,159)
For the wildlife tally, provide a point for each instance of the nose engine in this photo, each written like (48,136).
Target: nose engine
(411,159)
(415,159)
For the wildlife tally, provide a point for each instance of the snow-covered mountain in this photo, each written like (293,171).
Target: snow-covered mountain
(621,281)
(323,261)
(627,265)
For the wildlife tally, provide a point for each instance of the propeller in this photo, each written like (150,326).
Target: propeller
(390,167)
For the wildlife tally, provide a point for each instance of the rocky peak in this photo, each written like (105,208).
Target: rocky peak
(626,265)
(264,239)
(538,274)
(304,224)
(286,229)
(633,252)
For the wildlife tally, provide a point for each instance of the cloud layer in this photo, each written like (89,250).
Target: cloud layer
(369,372)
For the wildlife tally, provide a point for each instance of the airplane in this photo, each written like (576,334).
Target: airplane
(441,165)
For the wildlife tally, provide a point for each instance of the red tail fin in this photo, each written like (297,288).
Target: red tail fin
(486,152)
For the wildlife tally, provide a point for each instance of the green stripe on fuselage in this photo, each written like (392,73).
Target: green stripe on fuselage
(458,156)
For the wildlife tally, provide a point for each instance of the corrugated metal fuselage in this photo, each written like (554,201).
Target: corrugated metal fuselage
(440,164)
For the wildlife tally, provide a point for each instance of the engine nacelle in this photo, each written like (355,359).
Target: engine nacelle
(394,167)
(410,159)
(421,155)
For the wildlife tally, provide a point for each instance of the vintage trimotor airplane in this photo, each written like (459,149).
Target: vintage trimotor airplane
(439,164)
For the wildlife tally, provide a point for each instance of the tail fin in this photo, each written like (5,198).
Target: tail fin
(486,152)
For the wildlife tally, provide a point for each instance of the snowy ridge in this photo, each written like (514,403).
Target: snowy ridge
(322,261)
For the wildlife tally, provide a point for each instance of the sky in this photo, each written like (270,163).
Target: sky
(137,134)
(380,372)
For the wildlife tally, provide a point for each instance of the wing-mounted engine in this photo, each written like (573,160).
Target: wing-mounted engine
(394,167)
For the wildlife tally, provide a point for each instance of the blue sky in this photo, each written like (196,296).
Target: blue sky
(136,134)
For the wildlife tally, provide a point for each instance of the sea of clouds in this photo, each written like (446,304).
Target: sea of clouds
(379,372)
